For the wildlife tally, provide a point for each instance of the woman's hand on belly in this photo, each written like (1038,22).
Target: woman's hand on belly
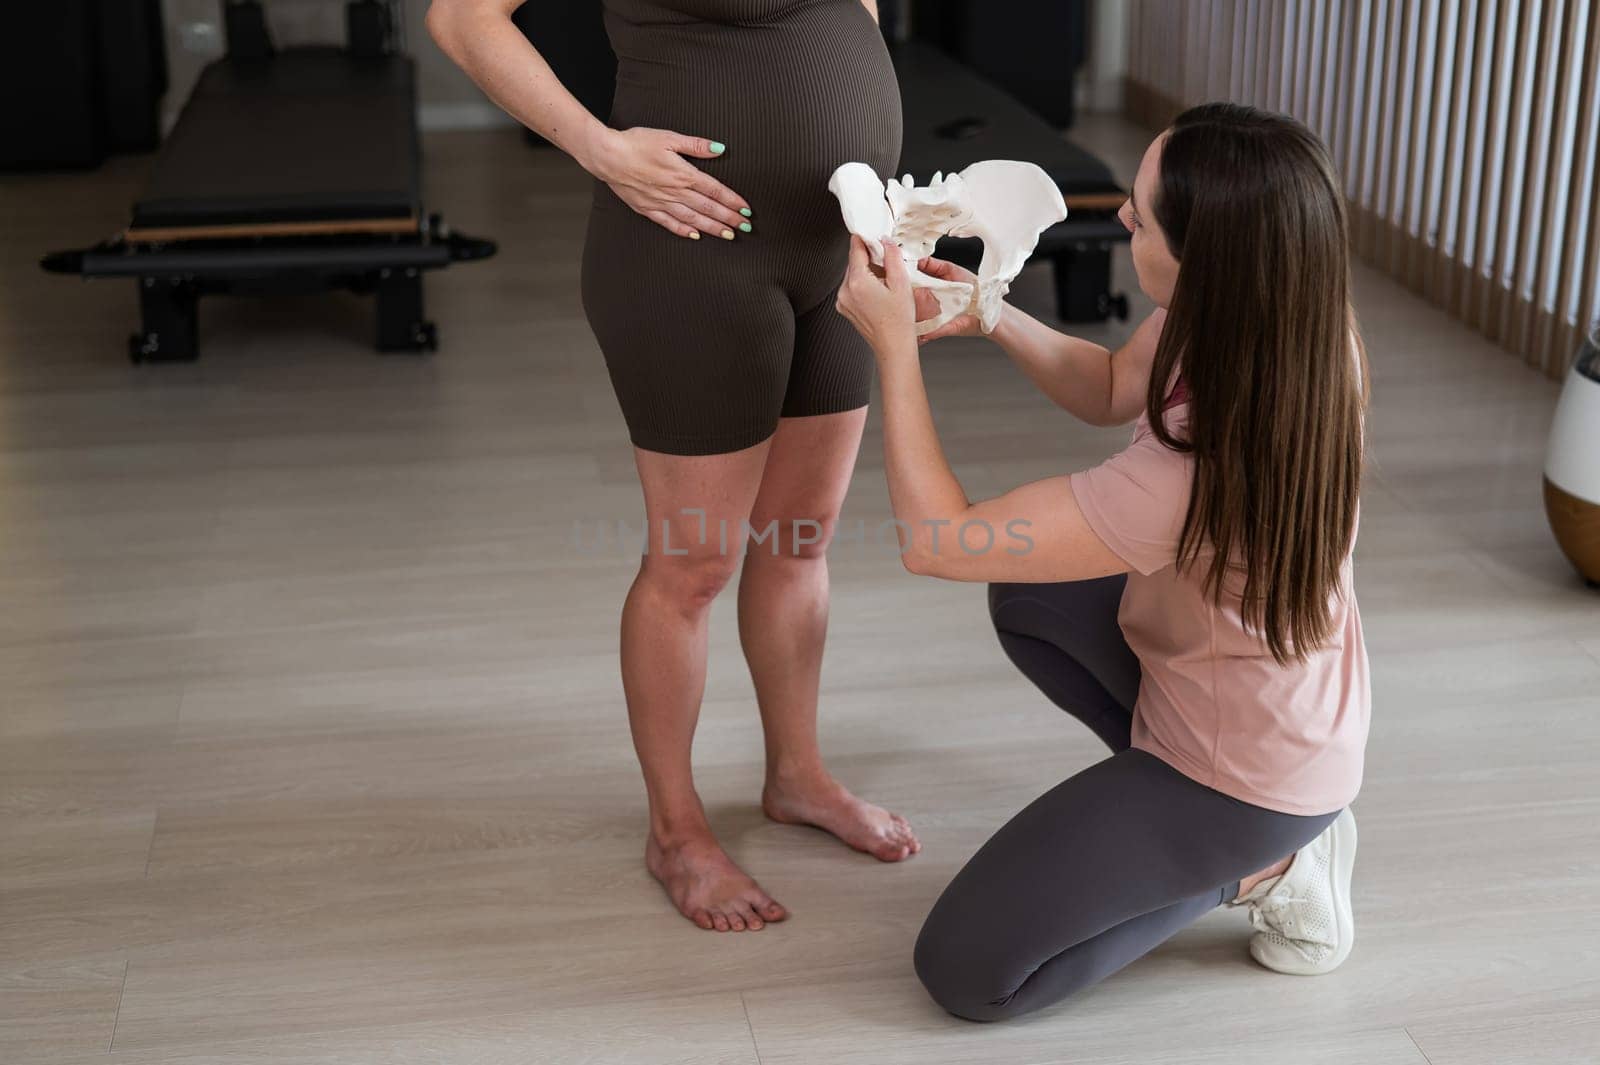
(646,169)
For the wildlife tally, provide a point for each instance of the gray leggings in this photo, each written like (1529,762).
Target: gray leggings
(1107,864)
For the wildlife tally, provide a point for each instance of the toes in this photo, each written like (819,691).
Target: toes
(751,919)
(736,921)
(720,922)
(771,910)
(703,919)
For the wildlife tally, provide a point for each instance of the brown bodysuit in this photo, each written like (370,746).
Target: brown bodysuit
(708,342)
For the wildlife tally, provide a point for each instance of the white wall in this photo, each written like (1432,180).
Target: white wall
(1100,82)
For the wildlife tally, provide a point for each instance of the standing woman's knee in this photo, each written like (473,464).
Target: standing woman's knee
(691,581)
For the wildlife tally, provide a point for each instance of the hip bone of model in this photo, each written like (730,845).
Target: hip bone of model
(1003,202)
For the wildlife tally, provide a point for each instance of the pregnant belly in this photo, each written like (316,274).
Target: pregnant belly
(792,99)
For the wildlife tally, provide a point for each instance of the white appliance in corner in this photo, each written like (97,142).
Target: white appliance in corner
(1572,467)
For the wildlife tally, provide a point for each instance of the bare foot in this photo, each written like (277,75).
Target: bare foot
(823,802)
(708,888)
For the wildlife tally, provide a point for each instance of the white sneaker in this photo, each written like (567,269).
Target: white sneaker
(1303,921)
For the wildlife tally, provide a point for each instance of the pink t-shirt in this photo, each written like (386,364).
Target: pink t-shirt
(1213,703)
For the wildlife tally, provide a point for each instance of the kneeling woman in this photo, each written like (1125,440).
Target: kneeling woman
(1189,599)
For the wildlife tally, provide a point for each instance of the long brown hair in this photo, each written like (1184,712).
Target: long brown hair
(1260,330)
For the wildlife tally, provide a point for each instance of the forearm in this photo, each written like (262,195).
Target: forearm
(923,490)
(479,36)
(1076,374)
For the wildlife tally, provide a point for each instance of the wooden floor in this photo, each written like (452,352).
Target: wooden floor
(312,746)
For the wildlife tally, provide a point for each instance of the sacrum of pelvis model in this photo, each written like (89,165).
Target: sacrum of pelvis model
(1003,202)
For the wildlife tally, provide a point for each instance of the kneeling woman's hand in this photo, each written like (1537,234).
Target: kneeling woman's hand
(876,305)
(881,307)
(962,325)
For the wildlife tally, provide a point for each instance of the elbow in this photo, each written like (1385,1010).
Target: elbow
(441,22)
(434,21)
(921,562)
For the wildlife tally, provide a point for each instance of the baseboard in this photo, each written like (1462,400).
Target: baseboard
(1101,94)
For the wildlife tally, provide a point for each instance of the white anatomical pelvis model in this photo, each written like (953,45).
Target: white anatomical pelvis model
(1004,203)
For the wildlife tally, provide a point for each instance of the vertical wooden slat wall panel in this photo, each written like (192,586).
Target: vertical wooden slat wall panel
(1366,18)
(1474,155)
(1256,50)
(1235,53)
(1260,70)
(1224,48)
(1177,45)
(1209,44)
(1299,73)
(1290,75)
(1308,99)
(1514,69)
(1421,112)
(1387,165)
(1450,249)
(1543,152)
(1276,16)
(1368,126)
(1326,88)
(1536,325)
(1266,52)
(1434,87)
(1200,42)
(1580,272)
(1466,133)
(1342,97)
(1492,174)
(1403,144)
(1513,305)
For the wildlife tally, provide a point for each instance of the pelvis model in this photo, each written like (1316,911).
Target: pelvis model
(1004,203)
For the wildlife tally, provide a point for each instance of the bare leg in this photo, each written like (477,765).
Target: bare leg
(664,625)
(783,621)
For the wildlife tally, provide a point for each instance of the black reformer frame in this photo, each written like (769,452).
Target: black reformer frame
(288,170)
(954,118)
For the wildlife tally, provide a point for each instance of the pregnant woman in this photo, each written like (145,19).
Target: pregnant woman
(1190,599)
(713,254)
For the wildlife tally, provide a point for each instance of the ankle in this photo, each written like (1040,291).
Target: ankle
(795,774)
(1271,872)
(671,829)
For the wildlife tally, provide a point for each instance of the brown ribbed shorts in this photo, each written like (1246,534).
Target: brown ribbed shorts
(709,342)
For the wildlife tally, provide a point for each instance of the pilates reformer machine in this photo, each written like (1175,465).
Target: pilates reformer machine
(955,117)
(294,169)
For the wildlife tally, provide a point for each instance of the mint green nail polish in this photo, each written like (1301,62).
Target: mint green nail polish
(745,211)
(745,227)
(718,147)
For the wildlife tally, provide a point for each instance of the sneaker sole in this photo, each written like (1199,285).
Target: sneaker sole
(1342,861)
